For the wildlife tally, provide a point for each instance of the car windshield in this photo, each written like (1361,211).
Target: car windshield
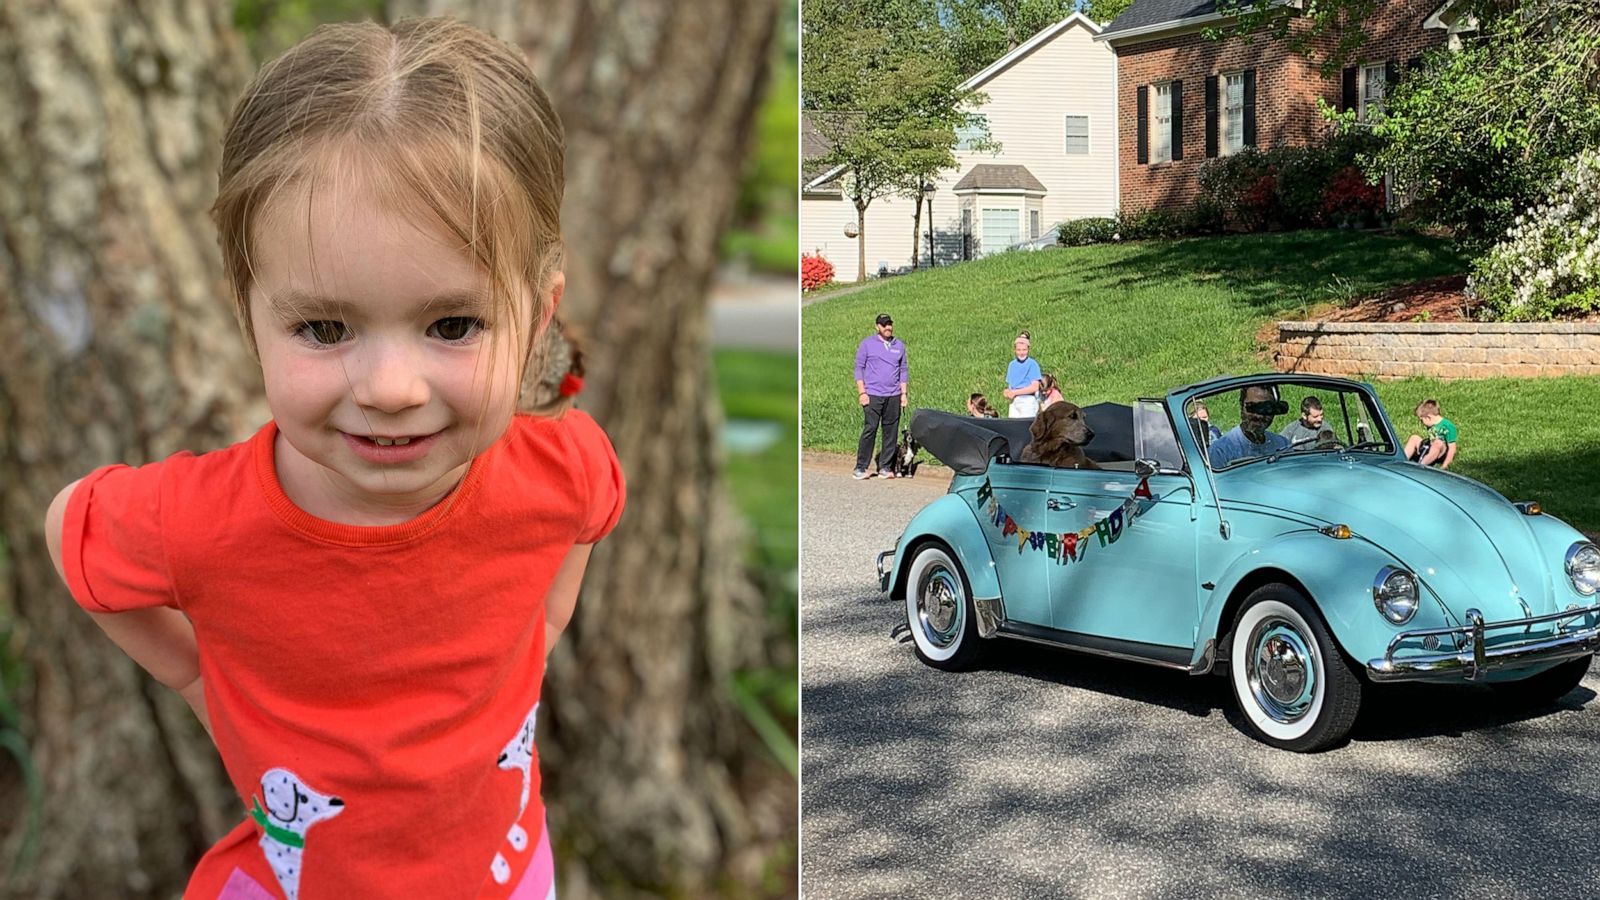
(1267,421)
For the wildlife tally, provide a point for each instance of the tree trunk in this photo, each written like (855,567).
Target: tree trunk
(121,347)
(654,780)
(916,233)
(861,241)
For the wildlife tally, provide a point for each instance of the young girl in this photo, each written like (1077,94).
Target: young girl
(1049,391)
(358,600)
(1022,380)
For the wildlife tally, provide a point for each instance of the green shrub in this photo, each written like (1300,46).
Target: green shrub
(1150,224)
(1549,261)
(1203,216)
(1090,230)
(1282,188)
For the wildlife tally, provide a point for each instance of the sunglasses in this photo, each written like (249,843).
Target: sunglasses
(1267,407)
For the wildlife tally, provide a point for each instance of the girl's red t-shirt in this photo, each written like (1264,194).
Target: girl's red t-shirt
(372,690)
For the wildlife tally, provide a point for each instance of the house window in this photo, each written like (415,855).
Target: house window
(968,135)
(1373,82)
(1077,135)
(1232,113)
(1033,223)
(1161,124)
(1001,229)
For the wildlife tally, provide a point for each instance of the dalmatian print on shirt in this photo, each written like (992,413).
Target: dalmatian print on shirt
(291,808)
(517,755)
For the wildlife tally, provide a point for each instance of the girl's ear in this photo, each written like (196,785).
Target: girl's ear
(557,287)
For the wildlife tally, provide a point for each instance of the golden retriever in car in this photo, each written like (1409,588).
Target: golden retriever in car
(1059,434)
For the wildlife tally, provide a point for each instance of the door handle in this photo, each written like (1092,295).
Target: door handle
(1055,505)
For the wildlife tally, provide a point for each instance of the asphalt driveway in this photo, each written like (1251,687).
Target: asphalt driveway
(1048,774)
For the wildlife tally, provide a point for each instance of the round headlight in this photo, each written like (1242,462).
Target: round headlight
(1394,592)
(1583,567)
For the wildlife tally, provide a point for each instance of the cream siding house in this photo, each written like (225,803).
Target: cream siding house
(1051,105)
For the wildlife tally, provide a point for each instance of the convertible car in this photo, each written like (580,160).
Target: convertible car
(1270,528)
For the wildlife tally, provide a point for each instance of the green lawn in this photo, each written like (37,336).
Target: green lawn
(761,387)
(1117,322)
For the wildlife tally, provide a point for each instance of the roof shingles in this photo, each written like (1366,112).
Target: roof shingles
(1144,13)
(991,177)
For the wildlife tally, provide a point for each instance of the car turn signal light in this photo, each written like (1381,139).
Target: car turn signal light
(1337,532)
(1529,507)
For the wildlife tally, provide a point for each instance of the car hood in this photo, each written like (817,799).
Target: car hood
(1469,544)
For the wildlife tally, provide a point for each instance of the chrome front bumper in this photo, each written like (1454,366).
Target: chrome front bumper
(1472,659)
(885,570)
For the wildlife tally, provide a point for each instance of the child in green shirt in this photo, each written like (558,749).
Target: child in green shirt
(1438,447)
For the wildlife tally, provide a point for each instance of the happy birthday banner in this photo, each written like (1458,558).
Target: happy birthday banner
(1072,545)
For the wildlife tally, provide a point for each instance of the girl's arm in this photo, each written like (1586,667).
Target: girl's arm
(563,594)
(160,638)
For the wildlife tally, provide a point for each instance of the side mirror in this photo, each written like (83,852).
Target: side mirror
(1144,468)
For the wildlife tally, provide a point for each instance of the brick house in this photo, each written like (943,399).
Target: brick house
(1183,98)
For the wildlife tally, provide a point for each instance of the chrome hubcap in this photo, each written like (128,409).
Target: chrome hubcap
(1281,670)
(939,606)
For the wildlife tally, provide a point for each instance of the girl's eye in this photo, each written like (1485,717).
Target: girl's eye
(323,331)
(456,328)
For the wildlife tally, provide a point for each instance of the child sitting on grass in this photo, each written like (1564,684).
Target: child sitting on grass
(1438,447)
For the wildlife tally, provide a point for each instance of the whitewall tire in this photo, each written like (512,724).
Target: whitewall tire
(939,609)
(1295,689)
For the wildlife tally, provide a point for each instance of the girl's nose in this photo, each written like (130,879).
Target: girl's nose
(390,380)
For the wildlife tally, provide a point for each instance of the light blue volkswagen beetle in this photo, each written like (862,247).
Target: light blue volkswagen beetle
(1269,527)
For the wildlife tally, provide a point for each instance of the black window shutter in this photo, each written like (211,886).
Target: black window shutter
(1211,116)
(1349,101)
(1142,126)
(1391,74)
(1177,119)
(1413,64)
(1249,107)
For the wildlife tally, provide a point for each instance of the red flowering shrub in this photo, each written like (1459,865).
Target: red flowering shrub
(1258,204)
(815,271)
(1350,200)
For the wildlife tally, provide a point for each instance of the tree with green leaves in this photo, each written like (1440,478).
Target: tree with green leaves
(1103,11)
(881,87)
(1477,136)
(982,31)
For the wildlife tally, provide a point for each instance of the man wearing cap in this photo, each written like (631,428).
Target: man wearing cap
(881,391)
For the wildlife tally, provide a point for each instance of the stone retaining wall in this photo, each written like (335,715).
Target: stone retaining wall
(1441,350)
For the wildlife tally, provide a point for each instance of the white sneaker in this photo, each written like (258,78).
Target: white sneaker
(860,474)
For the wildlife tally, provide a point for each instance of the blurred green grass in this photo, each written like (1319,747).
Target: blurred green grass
(762,387)
(1122,321)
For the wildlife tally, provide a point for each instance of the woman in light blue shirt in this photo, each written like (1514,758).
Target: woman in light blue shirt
(1022,381)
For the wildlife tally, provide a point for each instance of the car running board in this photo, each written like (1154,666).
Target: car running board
(1177,658)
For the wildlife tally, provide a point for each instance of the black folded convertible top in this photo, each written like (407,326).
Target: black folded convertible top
(967,444)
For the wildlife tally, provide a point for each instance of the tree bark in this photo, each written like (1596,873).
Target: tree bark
(653,779)
(916,228)
(121,347)
(861,241)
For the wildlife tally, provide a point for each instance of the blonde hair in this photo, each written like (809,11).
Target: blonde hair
(438,117)
(1428,408)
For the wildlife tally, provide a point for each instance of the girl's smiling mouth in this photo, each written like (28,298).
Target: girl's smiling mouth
(389,449)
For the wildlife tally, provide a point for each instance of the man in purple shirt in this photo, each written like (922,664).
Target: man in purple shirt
(881,390)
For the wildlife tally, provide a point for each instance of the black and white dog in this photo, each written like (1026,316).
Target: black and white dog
(905,462)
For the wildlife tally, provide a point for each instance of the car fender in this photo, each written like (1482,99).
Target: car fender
(951,521)
(1336,574)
